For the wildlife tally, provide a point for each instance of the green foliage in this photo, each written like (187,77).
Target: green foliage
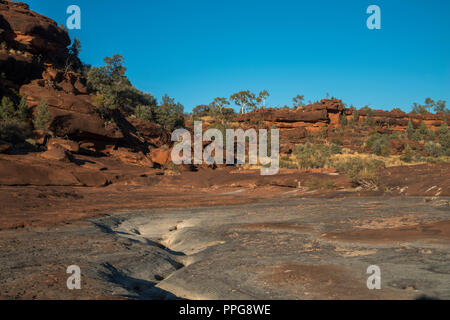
(298,101)
(42,117)
(335,149)
(444,138)
(423,133)
(360,171)
(217,107)
(262,97)
(354,118)
(319,184)
(311,156)
(343,119)
(200,111)
(22,111)
(244,99)
(143,113)
(73,62)
(379,144)
(408,154)
(410,130)
(438,106)
(433,149)
(7,109)
(113,89)
(169,114)
(369,116)
(13,130)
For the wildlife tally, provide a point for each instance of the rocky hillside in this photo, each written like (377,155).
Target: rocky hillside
(35,68)
(33,62)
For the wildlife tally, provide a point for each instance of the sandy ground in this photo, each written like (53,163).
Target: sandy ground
(287,247)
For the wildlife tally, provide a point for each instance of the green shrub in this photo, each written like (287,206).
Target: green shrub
(379,145)
(12,130)
(423,133)
(361,171)
(22,111)
(410,130)
(444,138)
(343,119)
(143,113)
(7,109)
(335,149)
(287,164)
(319,184)
(42,117)
(433,149)
(313,155)
(408,154)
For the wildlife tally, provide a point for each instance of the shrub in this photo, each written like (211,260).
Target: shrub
(379,144)
(319,184)
(444,138)
(410,130)
(169,114)
(286,164)
(343,119)
(144,113)
(355,116)
(22,111)
(313,155)
(13,131)
(361,171)
(408,154)
(423,133)
(42,117)
(7,109)
(335,149)
(433,149)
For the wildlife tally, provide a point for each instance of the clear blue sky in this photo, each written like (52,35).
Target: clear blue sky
(196,50)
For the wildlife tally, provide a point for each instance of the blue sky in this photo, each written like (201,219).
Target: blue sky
(197,50)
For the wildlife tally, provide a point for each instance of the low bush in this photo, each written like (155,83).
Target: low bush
(13,130)
(361,171)
(310,156)
(433,149)
(379,144)
(42,118)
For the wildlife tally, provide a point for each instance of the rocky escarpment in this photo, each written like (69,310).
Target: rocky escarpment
(297,124)
(33,63)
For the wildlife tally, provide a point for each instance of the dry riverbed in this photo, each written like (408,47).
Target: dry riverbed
(293,248)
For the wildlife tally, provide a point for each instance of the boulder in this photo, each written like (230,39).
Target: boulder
(160,156)
(59,143)
(56,154)
(128,156)
(152,133)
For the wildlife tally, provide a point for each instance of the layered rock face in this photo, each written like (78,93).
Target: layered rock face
(296,125)
(33,55)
